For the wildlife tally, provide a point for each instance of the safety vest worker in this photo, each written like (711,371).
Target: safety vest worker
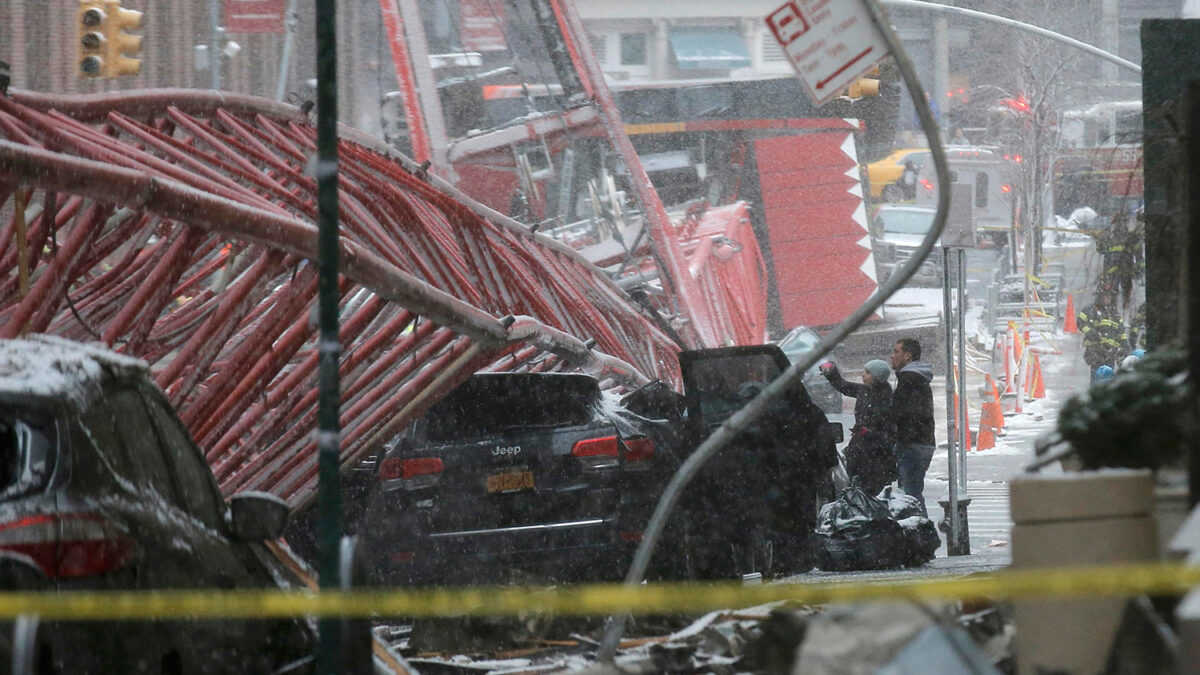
(1104,335)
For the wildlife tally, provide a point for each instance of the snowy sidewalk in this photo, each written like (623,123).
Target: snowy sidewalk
(989,471)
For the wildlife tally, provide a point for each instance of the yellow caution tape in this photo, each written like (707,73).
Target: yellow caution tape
(597,600)
(1038,281)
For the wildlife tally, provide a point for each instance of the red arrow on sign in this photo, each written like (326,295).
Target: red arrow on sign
(839,71)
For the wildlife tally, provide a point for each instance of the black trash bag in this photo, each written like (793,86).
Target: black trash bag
(921,539)
(857,532)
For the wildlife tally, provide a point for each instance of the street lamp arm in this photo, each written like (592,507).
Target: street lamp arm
(1019,25)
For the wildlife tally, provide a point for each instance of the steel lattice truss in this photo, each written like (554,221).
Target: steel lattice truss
(178,226)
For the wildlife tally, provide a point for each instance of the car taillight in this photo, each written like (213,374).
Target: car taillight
(68,545)
(926,184)
(596,447)
(597,453)
(639,449)
(415,472)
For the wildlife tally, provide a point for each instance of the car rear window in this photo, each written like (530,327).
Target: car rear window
(490,404)
(28,439)
(906,222)
(725,384)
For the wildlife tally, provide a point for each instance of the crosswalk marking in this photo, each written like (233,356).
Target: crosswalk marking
(988,515)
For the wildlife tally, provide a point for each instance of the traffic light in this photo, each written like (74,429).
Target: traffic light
(103,42)
(90,45)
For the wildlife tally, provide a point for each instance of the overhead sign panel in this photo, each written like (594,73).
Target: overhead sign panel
(829,43)
(481,26)
(254,16)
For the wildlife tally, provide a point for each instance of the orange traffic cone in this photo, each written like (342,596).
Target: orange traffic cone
(992,415)
(987,436)
(1069,326)
(1039,386)
(997,420)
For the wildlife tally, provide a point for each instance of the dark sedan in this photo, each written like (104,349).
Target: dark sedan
(101,488)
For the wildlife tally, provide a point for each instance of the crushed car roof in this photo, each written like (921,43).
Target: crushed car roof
(51,367)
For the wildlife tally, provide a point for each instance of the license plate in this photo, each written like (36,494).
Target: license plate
(510,482)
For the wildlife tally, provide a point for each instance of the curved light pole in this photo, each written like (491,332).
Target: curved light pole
(1019,25)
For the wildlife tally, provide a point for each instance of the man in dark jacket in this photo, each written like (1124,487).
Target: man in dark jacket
(869,454)
(912,408)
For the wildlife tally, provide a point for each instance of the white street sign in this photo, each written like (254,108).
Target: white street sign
(830,43)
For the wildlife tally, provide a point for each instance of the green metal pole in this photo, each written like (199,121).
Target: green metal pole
(329,497)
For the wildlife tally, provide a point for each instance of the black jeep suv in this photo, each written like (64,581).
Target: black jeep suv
(515,473)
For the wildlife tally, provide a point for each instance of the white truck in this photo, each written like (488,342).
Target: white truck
(993,178)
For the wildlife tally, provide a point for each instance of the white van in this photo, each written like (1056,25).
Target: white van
(992,178)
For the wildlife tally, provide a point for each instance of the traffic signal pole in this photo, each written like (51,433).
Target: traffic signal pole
(329,349)
(214,42)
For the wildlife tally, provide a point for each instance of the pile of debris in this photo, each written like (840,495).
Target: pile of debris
(775,638)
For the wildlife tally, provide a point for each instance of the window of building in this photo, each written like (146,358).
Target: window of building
(772,52)
(1129,126)
(600,48)
(633,49)
(981,189)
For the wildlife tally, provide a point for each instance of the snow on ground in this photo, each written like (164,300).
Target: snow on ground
(908,304)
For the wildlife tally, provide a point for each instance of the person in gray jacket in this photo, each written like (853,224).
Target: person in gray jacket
(912,410)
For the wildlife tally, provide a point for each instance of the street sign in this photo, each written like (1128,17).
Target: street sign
(830,43)
(254,16)
(959,231)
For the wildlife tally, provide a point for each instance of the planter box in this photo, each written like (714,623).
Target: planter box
(1087,518)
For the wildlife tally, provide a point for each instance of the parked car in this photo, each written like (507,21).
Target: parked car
(882,174)
(898,230)
(798,342)
(101,488)
(516,473)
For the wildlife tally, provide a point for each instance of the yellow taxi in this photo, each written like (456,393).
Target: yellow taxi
(884,172)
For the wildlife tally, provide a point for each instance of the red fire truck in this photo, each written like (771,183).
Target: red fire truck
(1098,161)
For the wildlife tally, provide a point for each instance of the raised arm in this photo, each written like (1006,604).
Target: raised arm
(851,389)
